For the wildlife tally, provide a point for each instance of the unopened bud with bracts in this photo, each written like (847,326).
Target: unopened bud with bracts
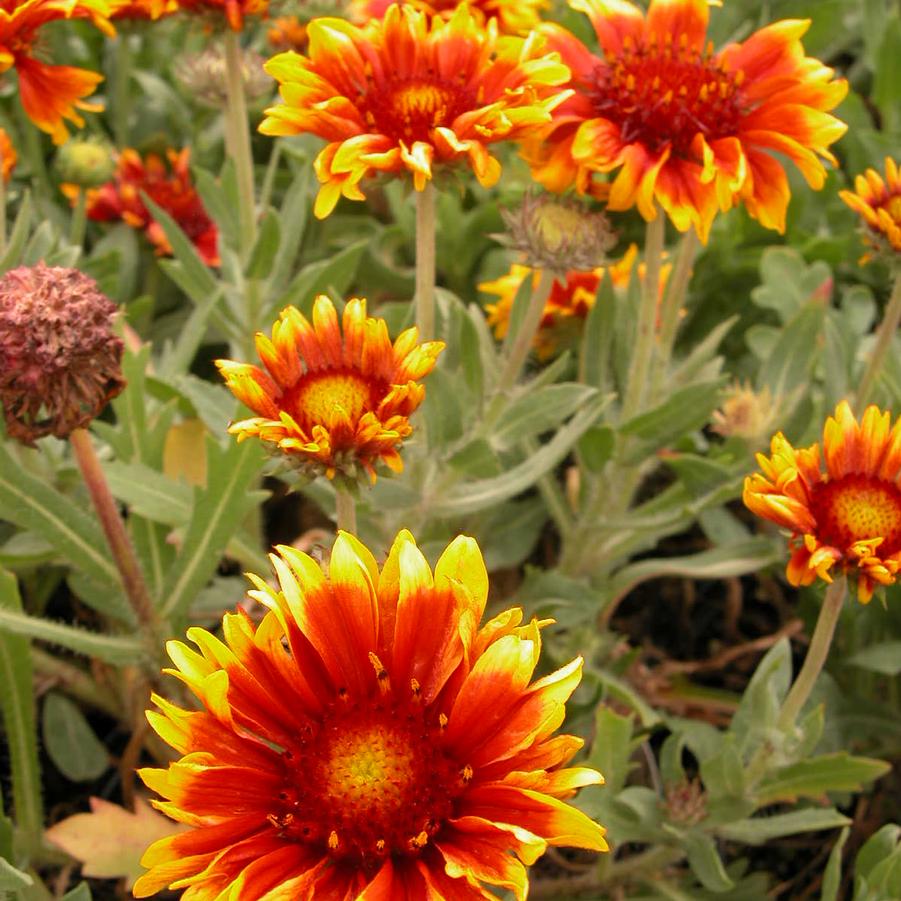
(60,362)
(85,162)
(557,234)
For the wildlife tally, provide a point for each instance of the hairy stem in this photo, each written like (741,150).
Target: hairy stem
(884,335)
(643,352)
(425,262)
(114,529)
(79,221)
(345,510)
(816,654)
(239,134)
(526,334)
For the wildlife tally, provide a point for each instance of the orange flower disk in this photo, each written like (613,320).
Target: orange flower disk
(368,740)
(682,126)
(400,95)
(878,202)
(333,402)
(168,184)
(49,94)
(513,16)
(849,516)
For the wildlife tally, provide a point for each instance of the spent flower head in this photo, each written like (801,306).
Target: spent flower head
(746,414)
(558,234)
(203,76)
(60,362)
(370,738)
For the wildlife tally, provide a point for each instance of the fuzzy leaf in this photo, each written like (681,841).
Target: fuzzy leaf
(70,742)
(815,777)
(757,830)
(882,658)
(110,840)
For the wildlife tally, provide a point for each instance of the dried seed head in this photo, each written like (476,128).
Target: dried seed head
(203,75)
(60,363)
(556,234)
(87,163)
(746,414)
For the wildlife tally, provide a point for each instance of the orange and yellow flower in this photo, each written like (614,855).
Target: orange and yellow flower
(234,11)
(367,740)
(406,93)
(167,182)
(8,157)
(49,94)
(683,127)
(149,10)
(848,516)
(334,399)
(287,33)
(513,16)
(878,203)
(568,304)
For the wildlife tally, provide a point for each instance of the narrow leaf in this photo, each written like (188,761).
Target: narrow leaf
(70,742)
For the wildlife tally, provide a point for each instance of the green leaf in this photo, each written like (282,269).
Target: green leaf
(29,502)
(879,658)
(485,493)
(597,338)
(12,879)
(758,830)
(119,650)
(681,413)
(269,237)
(217,514)
(878,866)
(188,270)
(537,411)
(15,243)
(795,352)
(723,774)
(756,716)
(596,447)
(17,706)
(887,76)
(705,860)
(81,892)
(832,875)
(813,778)
(611,748)
(70,742)
(149,493)
(336,273)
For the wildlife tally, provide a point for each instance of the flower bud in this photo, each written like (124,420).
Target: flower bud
(560,235)
(87,163)
(60,362)
(746,414)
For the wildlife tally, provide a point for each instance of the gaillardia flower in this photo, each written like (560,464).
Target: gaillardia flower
(8,156)
(568,304)
(333,403)
(849,516)
(60,362)
(512,17)
(49,94)
(402,95)
(683,127)
(167,182)
(878,203)
(142,10)
(367,740)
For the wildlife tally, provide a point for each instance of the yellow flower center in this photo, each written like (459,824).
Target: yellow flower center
(858,508)
(317,396)
(370,782)
(665,93)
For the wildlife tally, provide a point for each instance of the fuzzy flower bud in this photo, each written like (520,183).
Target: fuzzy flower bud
(86,163)
(59,360)
(746,414)
(560,235)
(203,76)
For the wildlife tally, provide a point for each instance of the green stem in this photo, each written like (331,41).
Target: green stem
(345,510)
(269,178)
(643,352)
(884,335)
(120,86)
(34,153)
(239,131)
(673,302)
(816,655)
(79,221)
(119,543)
(2,215)
(425,262)
(527,331)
